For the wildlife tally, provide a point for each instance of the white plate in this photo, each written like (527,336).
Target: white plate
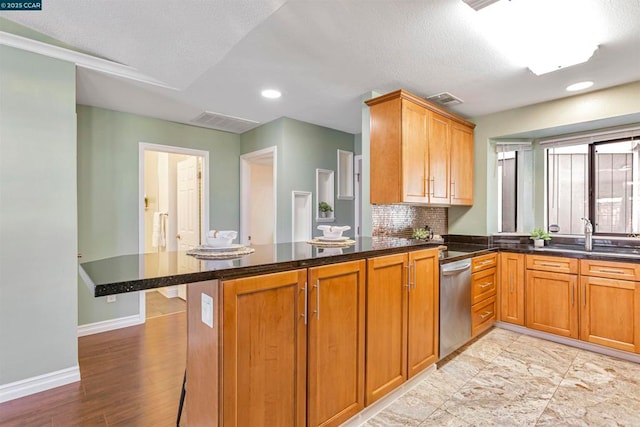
(333,239)
(229,248)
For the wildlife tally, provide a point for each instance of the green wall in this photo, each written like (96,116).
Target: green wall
(617,105)
(108,144)
(38,223)
(301,148)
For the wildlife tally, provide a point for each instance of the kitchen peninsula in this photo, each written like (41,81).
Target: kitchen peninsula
(288,334)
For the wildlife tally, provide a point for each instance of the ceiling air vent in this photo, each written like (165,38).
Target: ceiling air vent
(445,98)
(223,122)
(479,4)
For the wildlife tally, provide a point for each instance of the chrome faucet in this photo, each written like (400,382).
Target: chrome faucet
(588,233)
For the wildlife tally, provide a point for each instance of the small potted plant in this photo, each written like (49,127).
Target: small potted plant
(538,235)
(324,208)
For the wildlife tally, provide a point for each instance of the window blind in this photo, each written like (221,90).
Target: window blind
(627,132)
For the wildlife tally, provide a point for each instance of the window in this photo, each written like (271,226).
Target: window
(597,180)
(507,196)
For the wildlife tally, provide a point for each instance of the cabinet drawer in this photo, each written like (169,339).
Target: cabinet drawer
(610,269)
(483,315)
(552,264)
(483,262)
(483,284)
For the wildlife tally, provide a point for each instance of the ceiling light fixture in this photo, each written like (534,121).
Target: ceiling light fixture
(579,86)
(271,93)
(568,34)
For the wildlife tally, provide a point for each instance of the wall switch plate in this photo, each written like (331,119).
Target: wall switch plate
(111,298)
(207,310)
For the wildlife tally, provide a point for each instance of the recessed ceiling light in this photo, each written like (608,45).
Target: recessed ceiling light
(271,93)
(579,86)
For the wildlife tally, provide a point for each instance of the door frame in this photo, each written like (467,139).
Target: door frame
(245,190)
(204,226)
(357,196)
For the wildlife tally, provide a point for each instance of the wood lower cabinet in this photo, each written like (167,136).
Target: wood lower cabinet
(512,277)
(483,315)
(402,319)
(610,313)
(264,342)
(424,306)
(336,315)
(551,302)
(484,285)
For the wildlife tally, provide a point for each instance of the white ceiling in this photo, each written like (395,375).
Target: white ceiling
(323,55)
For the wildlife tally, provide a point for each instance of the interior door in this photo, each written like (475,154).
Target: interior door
(188,213)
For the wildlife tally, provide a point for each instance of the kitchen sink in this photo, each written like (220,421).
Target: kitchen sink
(622,254)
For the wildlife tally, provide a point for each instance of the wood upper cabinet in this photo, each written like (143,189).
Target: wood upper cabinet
(402,319)
(336,315)
(552,302)
(439,182)
(414,145)
(461,165)
(264,341)
(512,269)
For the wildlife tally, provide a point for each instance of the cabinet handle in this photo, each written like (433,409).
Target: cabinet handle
(433,185)
(573,290)
(483,263)
(415,275)
(486,314)
(511,281)
(453,189)
(605,270)
(408,285)
(317,311)
(484,285)
(549,264)
(306,303)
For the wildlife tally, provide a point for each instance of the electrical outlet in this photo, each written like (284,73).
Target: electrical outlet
(207,310)
(111,298)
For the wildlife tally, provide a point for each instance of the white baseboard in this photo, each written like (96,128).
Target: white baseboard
(583,345)
(169,291)
(39,383)
(378,406)
(110,325)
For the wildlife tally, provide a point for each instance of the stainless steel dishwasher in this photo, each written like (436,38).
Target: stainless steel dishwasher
(455,306)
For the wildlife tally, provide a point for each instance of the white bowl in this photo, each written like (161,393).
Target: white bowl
(220,238)
(333,231)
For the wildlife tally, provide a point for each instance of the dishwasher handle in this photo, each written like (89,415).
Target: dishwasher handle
(455,269)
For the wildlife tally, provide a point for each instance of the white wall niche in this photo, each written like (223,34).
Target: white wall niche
(324,193)
(301,216)
(345,175)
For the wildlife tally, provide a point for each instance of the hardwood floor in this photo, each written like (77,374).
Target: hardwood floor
(130,377)
(159,305)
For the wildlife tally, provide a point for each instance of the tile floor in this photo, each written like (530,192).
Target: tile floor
(508,379)
(159,305)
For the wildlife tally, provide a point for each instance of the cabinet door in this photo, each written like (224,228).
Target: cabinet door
(552,303)
(461,165)
(414,153)
(336,343)
(438,154)
(610,313)
(483,285)
(264,350)
(386,325)
(423,310)
(386,152)
(512,288)
(483,315)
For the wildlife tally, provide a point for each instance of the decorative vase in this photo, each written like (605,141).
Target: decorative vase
(538,243)
(324,214)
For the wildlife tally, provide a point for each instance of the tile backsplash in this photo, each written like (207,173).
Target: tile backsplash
(400,220)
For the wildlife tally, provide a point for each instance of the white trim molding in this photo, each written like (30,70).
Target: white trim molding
(80,59)
(110,325)
(39,383)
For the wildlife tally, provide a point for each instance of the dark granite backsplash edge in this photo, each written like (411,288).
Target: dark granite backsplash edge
(498,239)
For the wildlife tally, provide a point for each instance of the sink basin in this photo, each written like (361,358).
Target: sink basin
(582,251)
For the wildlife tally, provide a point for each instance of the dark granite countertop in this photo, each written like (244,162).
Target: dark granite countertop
(130,273)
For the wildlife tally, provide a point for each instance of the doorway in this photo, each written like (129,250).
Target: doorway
(173,216)
(258,190)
